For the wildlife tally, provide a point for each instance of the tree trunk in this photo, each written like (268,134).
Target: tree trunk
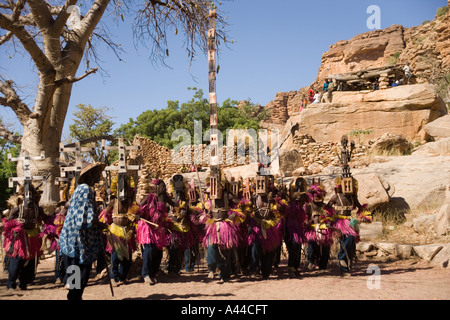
(45,135)
(33,142)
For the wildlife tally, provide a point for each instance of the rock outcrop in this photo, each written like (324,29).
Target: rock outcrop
(417,180)
(403,110)
(436,254)
(425,47)
(364,51)
(439,128)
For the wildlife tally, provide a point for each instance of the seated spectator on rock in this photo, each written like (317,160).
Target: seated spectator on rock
(317,97)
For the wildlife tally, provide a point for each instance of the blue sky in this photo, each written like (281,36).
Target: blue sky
(277,46)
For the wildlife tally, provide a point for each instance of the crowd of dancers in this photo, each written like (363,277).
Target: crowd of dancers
(240,224)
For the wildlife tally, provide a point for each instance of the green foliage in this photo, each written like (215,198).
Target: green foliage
(158,125)
(90,122)
(7,169)
(442,11)
(360,132)
(394,58)
(443,87)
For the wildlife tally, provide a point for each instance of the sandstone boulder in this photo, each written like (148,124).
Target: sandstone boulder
(428,251)
(425,224)
(387,248)
(395,250)
(442,258)
(403,110)
(404,251)
(366,50)
(416,180)
(391,144)
(425,47)
(443,216)
(369,231)
(439,128)
(290,160)
(364,246)
(315,168)
(436,148)
(371,190)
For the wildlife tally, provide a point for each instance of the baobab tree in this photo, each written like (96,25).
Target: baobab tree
(40,29)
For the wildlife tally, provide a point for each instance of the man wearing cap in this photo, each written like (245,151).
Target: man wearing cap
(80,239)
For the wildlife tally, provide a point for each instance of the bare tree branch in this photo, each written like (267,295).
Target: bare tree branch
(77,39)
(8,135)
(75,79)
(17,9)
(41,61)
(156,17)
(91,19)
(92,139)
(41,14)
(6,37)
(12,100)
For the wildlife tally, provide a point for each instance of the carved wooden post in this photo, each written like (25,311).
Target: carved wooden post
(214,135)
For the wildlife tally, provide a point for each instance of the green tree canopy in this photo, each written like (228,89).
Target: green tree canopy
(89,123)
(7,169)
(158,125)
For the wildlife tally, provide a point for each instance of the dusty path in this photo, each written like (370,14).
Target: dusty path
(400,280)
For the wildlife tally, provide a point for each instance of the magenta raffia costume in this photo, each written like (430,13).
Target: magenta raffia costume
(156,231)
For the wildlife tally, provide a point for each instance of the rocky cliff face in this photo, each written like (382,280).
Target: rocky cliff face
(403,110)
(425,47)
(367,50)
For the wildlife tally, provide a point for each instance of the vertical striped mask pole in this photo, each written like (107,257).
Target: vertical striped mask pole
(214,136)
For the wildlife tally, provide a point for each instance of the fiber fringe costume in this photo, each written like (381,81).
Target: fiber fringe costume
(220,230)
(181,223)
(49,233)
(153,234)
(181,227)
(220,227)
(221,219)
(121,239)
(182,236)
(195,211)
(318,234)
(265,226)
(294,224)
(58,223)
(344,201)
(22,240)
